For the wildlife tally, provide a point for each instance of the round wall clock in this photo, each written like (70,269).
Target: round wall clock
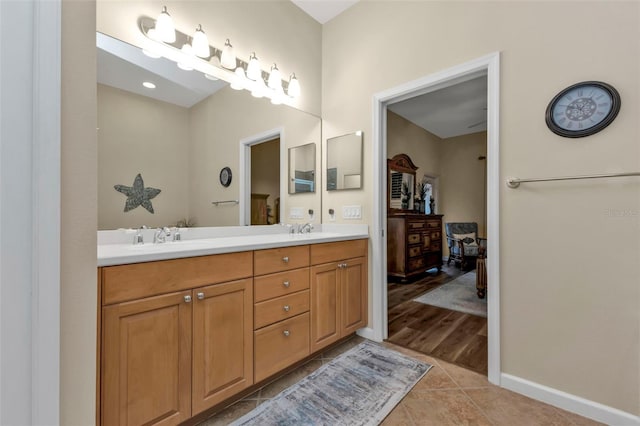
(225,176)
(583,109)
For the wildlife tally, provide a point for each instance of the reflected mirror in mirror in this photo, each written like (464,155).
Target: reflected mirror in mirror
(178,136)
(302,169)
(344,162)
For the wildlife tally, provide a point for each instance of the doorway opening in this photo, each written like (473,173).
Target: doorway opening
(265,182)
(489,66)
(261,184)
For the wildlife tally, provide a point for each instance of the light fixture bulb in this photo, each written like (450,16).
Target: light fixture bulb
(275,77)
(200,43)
(239,79)
(294,86)
(186,62)
(258,88)
(253,69)
(153,35)
(165,28)
(228,56)
(278,96)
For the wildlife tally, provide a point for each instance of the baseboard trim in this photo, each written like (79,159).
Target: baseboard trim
(368,333)
(569,402)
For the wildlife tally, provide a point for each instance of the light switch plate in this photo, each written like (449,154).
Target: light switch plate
(352,212)
(296,213)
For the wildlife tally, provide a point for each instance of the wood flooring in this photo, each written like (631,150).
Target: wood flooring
(452,336)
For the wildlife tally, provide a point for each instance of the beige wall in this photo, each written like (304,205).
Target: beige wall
(265,172)
(278,31)
(78,296)
(141,135)
(569,307)
(218,125)
(462,196)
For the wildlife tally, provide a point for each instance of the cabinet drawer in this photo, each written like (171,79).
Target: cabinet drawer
(433,224)
(280,345)
(280,284)
(416,225)
(435,246)
(135,281)
(415,251)
(413,238)
(435,235)
(280,259)
(426,241)
(416,263)
(280,308)
(341,250)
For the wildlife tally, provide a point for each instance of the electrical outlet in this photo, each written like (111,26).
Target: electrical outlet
(352,212)
(296,213)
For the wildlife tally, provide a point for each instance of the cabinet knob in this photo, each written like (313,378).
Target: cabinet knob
(200,295)
(285,259)
(286,308)
(286,284)
(286,333)
(187,299)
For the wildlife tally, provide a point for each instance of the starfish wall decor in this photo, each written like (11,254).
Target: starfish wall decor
(137,195)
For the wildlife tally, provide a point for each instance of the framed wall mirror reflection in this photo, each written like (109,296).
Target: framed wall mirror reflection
(344,162)
(302,169)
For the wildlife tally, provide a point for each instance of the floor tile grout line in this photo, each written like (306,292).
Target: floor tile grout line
(489,419)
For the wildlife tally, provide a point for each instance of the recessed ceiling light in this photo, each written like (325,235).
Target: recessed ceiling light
(149,85)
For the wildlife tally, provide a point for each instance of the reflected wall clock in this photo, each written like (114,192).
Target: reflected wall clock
(225,176)
(583,109)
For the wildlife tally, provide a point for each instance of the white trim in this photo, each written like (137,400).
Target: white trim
(569,402)
(244,196)
(45,358)
(367,333)
(457,74)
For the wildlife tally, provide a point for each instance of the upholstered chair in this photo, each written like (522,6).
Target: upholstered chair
(463,242)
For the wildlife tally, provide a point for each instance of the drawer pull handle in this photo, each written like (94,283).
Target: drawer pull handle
(285,259)
(187,299)
(200,295)
(286,333)
(286,308)
(286,284)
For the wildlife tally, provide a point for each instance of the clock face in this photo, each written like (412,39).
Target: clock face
(225,176)
(583,109)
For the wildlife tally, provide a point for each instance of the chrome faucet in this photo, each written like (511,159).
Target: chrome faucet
(161,235)
(306,228)
(139,238)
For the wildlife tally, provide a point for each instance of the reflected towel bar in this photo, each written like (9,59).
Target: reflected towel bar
(515,182)
(215,203)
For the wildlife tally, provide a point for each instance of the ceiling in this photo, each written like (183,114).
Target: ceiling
(125,67)
(324,10)
(455,110)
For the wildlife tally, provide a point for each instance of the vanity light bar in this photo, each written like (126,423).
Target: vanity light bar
(208,65)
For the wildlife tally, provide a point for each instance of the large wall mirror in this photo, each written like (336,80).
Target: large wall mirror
(302,169)
(344,162)
(172,144)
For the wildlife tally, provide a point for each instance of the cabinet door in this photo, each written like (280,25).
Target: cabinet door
(222,342)
(353,292)
(146,362)
(325,315)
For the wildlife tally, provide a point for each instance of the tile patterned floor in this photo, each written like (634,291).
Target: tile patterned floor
(446,395)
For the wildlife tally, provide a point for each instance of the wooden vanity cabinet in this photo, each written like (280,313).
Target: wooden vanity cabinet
(281,309)
(168,355)
(146,361)
(338,291)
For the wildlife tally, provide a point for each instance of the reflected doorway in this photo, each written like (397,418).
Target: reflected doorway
(265,182)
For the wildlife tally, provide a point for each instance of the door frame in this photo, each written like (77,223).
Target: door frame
(244,198)
(489,64)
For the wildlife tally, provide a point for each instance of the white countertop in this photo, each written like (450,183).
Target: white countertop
(113,251)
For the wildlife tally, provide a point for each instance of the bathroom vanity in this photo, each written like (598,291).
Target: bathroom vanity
(188,328)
